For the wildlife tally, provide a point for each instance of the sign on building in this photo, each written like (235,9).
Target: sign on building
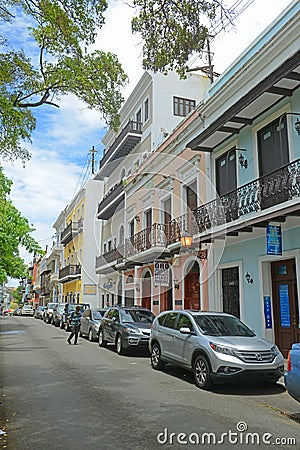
(89,289)
(161,273)
(274,240)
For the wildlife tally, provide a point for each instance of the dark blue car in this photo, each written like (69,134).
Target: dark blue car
(292,376)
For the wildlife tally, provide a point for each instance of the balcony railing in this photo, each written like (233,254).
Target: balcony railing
(265,192)
(129,136)
(154,236)
(67,234)
(110,201)
(108,258)
(71,271)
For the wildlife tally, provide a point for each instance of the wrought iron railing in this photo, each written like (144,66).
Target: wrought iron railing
(67,233)
(72,269)
(110,196)
(265,192)
(108,258)
(131,127)
(154,236)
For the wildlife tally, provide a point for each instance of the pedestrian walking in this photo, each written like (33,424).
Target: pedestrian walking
(75,318)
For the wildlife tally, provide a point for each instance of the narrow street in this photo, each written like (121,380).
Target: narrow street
(57,396)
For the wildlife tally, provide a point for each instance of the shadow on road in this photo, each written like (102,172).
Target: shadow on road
(240,388)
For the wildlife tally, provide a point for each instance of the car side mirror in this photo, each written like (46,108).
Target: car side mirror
(186,330)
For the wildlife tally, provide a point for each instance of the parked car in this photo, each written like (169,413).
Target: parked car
(57,315)
(47,315)
(292,376)
(90,322)
(125,328)
(27,310)
(17,312)
(39,312)
(69,308)
(215,346)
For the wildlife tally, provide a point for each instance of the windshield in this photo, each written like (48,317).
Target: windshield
(137,316)
(97,315)
(52,305)
(222,326)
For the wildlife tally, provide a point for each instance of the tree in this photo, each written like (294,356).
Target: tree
(60,33)
(15,232)
(172,30)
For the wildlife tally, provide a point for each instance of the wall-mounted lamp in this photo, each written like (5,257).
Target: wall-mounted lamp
(243,162)
(137,218)
(137,287)
(248,278)
(176,283)
(186,239)
(297,126)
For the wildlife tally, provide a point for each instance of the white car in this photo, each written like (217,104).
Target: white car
(27,310)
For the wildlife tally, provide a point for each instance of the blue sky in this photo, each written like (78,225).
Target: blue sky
(63,137)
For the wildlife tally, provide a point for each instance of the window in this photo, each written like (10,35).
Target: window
(170,320)
(139,116)
(104,248)
(183,106)
(184,322)
(146,110)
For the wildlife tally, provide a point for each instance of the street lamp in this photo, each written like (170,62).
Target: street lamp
(186,239)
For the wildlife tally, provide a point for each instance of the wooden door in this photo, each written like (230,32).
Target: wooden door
(192,288)
(285,304)
(146,291)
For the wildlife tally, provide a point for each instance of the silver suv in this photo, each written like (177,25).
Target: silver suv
(215,346)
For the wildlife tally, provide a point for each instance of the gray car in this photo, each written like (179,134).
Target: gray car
(126,328)
(215,346)
(90,322)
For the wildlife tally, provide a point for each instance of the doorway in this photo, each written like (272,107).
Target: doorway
(146,291)
(285,304)
(192,288)
(231,291)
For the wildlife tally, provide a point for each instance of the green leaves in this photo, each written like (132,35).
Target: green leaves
(15,232)
(60,33)
(172,30)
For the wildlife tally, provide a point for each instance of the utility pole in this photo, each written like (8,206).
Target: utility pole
(93,151)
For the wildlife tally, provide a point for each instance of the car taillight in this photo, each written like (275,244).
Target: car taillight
(289,365)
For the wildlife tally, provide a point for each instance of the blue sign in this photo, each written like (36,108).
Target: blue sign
(274,240)
(285,318)
(268,311)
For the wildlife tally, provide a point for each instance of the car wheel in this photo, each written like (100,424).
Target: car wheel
(156,361)
(119,345)
(90,335)
(102,341)
(202,373)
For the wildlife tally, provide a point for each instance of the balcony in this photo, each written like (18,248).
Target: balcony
(111,201)
(147,245)
(250,205)
(125,141)
(68,233)
(69,273)
(106,263)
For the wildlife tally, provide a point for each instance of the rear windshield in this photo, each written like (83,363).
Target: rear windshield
(137,316)
(52,305)
(72,306)
(222,326)
(97,315)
